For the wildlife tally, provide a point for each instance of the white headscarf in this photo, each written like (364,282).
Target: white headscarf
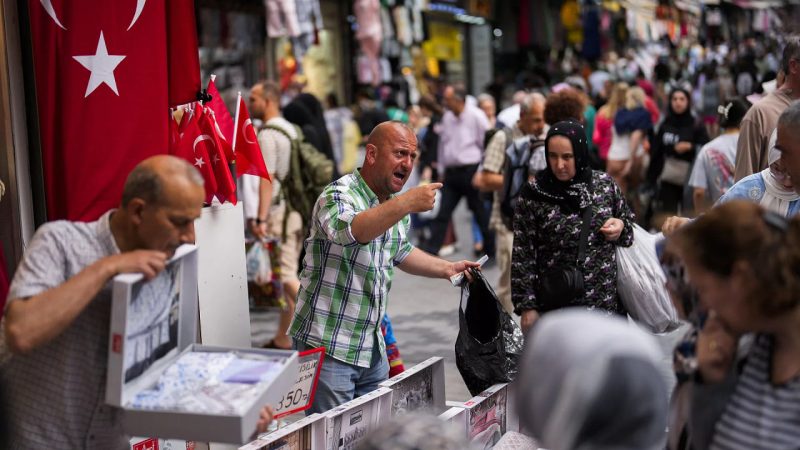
(776,197)
(589,381)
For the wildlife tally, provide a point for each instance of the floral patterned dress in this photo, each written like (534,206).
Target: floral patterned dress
(546,236)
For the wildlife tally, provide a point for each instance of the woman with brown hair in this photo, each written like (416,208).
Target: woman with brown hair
(744,263)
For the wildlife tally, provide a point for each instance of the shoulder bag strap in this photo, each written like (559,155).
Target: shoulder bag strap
(586,219)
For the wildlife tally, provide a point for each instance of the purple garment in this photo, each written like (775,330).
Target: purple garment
(461,137)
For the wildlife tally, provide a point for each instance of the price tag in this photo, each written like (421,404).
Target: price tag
(301,394)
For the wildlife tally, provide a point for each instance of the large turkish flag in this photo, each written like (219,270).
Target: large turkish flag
(102,88)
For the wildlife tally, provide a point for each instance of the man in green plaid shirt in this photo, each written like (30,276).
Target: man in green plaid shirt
(358,235)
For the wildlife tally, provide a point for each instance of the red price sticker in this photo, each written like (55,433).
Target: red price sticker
(301,394)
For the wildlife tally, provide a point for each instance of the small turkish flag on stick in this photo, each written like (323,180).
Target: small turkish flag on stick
(249,158)
(226,188)
(194,146)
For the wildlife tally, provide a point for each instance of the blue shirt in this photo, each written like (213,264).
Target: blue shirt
(753,188)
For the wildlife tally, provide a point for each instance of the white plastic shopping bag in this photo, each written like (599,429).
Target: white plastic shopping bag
(641,283)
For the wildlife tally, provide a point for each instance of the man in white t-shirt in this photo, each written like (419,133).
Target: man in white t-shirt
(264,205)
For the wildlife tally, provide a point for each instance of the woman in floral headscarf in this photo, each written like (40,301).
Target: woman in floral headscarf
(547,230)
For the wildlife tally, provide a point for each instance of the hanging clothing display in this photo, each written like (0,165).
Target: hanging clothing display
(571,20)
(524,37)
(591,31)
(389,46)
(309,17)
(319,71)
(369,35)
(402,23)
(300,46)
(282,18)
(417,25)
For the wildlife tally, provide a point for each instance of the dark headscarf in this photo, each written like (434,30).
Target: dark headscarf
(297,113)
(318,119)
(685,119)
(572,195)
(305,111)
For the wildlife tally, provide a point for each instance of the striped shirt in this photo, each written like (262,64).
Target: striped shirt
(344,285)
(760,414)
(56,392)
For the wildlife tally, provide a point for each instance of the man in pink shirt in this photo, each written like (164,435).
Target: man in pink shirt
(461,135)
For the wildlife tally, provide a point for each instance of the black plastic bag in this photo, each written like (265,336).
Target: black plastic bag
(489,342)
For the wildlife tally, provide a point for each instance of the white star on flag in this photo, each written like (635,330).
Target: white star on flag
(216,159)
(102,66)
(199,162)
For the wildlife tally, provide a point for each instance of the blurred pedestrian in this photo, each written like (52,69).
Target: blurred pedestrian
(742,261)
(460,152)
(631,127)
(712,174)
(591,382)
(761,119)
(487,105)
(679,137)
(604,121)
(492,178)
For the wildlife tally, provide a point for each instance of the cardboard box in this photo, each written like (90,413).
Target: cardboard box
(457,415)
(419,388)
(487,416)
(153,323)
(305,434)
(348,424)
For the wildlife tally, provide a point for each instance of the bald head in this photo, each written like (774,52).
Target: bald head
(391,151)
(154,177)
(387,131)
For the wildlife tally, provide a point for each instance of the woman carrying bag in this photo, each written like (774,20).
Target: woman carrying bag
(673,151)
(556,260)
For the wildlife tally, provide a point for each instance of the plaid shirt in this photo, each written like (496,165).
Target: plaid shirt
(345,285)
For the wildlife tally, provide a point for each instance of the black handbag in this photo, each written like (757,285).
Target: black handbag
(561,286)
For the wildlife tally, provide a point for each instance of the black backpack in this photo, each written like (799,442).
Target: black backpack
(516,172)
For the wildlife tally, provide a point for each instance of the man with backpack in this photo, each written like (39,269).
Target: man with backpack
(299,172)
(512,156)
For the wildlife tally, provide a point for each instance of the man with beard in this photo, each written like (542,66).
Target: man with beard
(358,235)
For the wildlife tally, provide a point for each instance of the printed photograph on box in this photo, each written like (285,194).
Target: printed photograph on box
(419,388)
(348,424)
(413,393)
(152,329)
(297,440)
(305,434)
(487,418)
(352,426)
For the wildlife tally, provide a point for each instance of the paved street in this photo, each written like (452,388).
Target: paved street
(424,314)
